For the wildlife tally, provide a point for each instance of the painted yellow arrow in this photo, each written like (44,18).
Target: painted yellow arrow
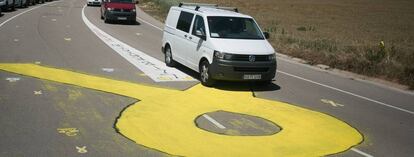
(164,119)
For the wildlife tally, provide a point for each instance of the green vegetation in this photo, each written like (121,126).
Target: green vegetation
(369,37)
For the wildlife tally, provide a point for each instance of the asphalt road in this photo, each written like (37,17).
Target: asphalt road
(41,117)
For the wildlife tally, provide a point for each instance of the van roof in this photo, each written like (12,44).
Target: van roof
(210,11)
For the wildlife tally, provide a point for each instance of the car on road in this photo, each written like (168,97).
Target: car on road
(23,3)
(118,10)
(218,42)
(2,3)
(8,5)
(93,2)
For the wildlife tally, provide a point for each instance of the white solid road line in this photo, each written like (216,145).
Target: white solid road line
(327,86)
(361,152)
(152,67)
(214,121)
(4,22)
(346,92)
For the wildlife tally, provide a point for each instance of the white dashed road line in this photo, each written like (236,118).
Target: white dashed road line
(213,121)
(152,67)
(361,152)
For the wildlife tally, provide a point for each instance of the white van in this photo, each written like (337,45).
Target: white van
(219,43)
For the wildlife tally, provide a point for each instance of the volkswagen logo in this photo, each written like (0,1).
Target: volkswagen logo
(252,58)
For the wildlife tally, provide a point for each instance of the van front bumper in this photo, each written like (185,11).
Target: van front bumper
(242,70)
(121,16)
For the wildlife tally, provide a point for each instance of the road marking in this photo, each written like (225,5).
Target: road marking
(17,26)
(68,131)
(152,67)
(54,20)
(141,121)
(16,40)
(217,124)
(13,79)
(323,85)
(37,92)
(68,39)
(109,70)
(149,23)
(38,62)
(330,102)
(346,92)
(361,152)
(138,34)
(4,22)
(81,150)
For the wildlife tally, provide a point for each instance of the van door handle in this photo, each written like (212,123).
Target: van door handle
(185,36)
(190,37)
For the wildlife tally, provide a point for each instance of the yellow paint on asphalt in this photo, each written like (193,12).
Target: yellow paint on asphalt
(74,94)
(164,119)
(68,131)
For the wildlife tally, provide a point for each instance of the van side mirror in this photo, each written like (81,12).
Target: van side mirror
(201,34)
(266,34)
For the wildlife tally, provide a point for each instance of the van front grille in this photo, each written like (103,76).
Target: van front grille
(251,69)
(258,58)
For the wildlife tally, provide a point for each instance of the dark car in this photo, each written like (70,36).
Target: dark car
(118,10)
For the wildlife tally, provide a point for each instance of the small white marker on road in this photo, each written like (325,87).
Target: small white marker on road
(15,40)
(138,34)
(43,16)
(54,20)
(361,152)
(109,70)
(81,150)
(17,26)
(68,39)
(37,62)
(37,92)
(13,79)
(213,121)
(330,102)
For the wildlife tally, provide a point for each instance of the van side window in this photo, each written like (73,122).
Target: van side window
(199,25)
(184,21)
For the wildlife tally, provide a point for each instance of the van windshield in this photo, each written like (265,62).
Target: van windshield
(122,1)
(233,28)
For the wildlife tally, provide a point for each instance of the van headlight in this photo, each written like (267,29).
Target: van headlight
(222,55)
(272,57)
(134,10)
(110,9)
(219,55)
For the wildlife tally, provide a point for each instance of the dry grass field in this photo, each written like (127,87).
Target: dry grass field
(369,37)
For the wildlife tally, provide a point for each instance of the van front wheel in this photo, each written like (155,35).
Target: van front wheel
(169,61)
(205,76)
